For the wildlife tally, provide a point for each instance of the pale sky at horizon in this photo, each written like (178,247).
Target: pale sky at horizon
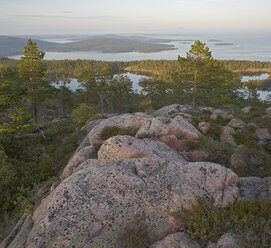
(133,16)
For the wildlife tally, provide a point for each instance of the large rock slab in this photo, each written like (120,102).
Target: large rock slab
(18,236)
(91,207)
(176,240)
(125,121)
(163,126)
(125,147)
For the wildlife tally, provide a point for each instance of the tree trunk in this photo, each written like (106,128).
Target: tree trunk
(195,87)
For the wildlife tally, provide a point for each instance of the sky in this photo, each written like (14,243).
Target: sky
(19,17)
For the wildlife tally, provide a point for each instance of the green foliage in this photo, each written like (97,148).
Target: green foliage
(249,220)
(122,89)
(14,117)
(31,70)
(156,93)
(203,79)
(109,132)
(134,235)
(83,113)
(29,160)
(88,83)
(219,152)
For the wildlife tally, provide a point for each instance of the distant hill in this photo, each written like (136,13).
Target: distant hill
(14,46)
(113,45)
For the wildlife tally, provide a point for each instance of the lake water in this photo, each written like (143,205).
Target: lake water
(135,78)
(223,46)
(263,76)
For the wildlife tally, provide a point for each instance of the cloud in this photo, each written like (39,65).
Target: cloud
(66,12)
(41,16)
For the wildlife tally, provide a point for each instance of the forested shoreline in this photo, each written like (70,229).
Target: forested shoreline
(162,69)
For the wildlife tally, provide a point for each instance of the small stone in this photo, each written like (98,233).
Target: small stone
(204,127)
(214,117)
(246,110)
(171,110)
(238,160)
(263,134)
(227,241)
(227,116)
(268,111)
(176,240)
(211,245)
(236,123)
(227,135)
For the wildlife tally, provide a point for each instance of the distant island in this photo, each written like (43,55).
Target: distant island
(116,44)
(214,40)
(224,44)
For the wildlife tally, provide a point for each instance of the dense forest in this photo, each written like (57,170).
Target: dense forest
(41,126)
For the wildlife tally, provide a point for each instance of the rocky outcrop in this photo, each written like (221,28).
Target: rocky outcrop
(17,237)
(175,132)
(130,177)
(131,122)
(94,205)
(136,165)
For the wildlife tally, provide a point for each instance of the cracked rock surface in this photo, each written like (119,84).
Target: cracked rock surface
(132,177)
(103,190)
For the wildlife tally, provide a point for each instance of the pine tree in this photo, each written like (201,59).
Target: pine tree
(203,79)
(122,88)
(30,69)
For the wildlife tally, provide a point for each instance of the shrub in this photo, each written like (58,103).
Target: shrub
(83,113)
(250,221)
(219,151)
(109,132)
(134,235)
